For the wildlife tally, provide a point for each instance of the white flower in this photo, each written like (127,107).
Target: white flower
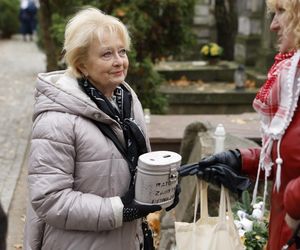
(241,232)
(247,224)
(238,224)
(257,213)
(241,214)
(258,205)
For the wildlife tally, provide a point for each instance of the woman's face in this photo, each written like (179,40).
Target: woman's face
(107,63)
(278,25)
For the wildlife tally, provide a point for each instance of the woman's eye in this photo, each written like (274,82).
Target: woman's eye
(107,54)
(122,52)
(280,10)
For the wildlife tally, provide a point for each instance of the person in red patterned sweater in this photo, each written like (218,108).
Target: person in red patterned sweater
(277,104)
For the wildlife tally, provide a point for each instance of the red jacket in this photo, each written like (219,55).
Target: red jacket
(287,200)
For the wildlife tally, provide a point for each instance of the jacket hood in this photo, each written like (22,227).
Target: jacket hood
(59,91)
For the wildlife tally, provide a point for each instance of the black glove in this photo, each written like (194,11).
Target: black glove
(176,198)
(231,158)
(222,168)
(133,210)
(223,175)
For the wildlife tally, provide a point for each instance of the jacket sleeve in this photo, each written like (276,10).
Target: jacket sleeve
(250,160)
(50,180)
(292,198)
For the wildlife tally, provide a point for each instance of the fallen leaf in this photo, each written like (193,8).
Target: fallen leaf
(238,121)
(23,217)
(18,246)
(250,84)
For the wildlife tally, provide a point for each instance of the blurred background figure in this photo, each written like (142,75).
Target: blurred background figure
(27,17)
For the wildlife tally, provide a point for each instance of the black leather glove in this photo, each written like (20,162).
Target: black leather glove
(133,210)
(230,158)
(222,168)
(176,198)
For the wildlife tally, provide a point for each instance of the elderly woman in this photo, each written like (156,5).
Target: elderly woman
(278,105)
(87,135)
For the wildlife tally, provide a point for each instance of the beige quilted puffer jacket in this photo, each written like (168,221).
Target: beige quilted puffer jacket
(76,175)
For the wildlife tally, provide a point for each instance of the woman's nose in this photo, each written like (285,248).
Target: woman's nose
(274,24)
(117,59)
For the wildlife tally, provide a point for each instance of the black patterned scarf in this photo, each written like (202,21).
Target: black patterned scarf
(134,137)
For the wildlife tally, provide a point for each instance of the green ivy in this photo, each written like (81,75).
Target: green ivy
(58,29)
(257,238)
(145,81)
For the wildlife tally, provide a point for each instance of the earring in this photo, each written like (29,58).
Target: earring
(85,80)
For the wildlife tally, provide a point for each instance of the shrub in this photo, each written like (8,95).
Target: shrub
(9,23)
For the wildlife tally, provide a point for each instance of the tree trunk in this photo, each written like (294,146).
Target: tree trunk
(226,23)
(47,40)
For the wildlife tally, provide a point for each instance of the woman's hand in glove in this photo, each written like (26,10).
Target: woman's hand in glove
(223,175)
(133,210)
(230,158)
(222,168)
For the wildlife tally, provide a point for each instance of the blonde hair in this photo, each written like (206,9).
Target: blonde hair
(83,28)
(292,12)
